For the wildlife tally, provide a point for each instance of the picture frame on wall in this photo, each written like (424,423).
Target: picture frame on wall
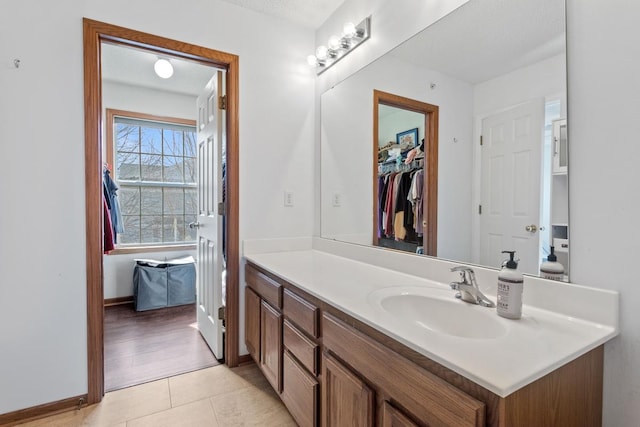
(408,137)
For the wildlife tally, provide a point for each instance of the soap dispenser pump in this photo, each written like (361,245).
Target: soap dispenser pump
(510,286)
(551,268)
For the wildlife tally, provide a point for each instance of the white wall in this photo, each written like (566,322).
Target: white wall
(399,121)
(118,269)
(42,224)
(603,70)
(604,179)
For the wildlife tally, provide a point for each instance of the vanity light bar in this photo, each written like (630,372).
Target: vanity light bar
(338,47)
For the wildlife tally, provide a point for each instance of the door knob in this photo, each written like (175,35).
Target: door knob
(193,225)
(531,228)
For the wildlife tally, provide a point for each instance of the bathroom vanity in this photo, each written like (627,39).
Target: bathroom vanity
(347,342)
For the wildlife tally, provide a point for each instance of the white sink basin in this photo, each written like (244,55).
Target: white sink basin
(439,311)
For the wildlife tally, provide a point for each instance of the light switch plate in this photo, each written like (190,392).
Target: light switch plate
(288,198)
(336,200)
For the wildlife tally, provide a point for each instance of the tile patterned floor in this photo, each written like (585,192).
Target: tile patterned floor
(216,396)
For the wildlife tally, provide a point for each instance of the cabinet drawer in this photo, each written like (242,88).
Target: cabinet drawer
(299,392)
(301,312)
(268,289)
(427,397)
(392,417)
(301,347)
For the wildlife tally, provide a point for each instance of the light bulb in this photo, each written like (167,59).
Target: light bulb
(349,29)
(334,43)
(312,60)
(163,68)
(321,52)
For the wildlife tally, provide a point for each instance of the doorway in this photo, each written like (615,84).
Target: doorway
(94,34)
(429,202)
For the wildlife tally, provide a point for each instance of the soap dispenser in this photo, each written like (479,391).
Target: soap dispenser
(551,268)
(510,284)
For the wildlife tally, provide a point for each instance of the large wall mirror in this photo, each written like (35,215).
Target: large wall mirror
(496,72)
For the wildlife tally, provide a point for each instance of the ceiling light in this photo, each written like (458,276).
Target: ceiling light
(163,68)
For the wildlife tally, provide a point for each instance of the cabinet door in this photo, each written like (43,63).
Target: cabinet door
(299,392)
(346,399)
(271,345)
(252,323)
(560,147)
(392,417)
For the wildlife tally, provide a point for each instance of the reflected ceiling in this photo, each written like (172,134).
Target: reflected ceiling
(525,31)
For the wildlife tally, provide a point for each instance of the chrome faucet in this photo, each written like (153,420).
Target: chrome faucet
(468,290)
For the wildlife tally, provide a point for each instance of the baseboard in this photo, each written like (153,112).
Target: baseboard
(41,411)
(245,358)
(118,301)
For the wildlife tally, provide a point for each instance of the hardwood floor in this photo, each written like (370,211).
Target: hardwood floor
(145,346)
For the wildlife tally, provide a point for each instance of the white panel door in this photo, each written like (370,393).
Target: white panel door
(510,188)
(210,237)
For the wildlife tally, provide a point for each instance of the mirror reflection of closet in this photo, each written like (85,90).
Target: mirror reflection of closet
(405,190)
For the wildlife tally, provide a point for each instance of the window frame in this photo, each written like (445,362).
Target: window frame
(111,115)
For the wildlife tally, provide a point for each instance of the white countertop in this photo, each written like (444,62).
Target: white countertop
(529,348)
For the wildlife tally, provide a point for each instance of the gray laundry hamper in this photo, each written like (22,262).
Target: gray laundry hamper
(158,284)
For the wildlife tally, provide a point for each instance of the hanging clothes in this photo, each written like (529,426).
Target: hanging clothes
(401,202)
(391,187)
(110,189)
(107,228)
(381,191)
(417,200)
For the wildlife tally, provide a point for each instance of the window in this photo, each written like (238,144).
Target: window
(155,166)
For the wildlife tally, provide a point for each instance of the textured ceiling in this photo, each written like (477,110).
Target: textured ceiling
(480,40)
(135,67)
(483,39)
(310,13)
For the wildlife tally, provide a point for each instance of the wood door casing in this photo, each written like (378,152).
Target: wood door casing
(430,189)
(94,33)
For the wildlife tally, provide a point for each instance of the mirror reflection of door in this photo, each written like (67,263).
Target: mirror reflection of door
(510,185)
(405,174)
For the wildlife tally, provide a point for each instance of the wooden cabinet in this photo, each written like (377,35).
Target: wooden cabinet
(425,396)
(271,344)
(333,370)
(392,417)
(281,330)
(263,324)
(299,391)
(346,399)
(252,323)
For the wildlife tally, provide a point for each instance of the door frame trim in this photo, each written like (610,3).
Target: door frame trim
(95,32)
(430,112)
